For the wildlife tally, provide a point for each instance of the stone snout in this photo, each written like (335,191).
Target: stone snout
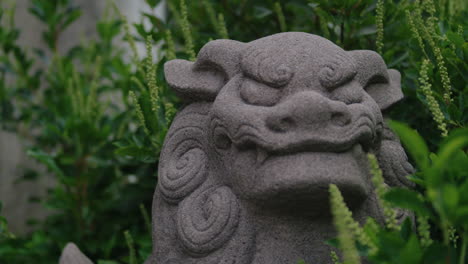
(307,111)
(292,151)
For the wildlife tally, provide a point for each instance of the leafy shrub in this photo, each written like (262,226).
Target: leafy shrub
(76,111)
(440,207)
(97,121)
(440,201)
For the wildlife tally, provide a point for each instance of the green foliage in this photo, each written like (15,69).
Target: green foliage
(280,14)
(379,20)
(4,233)
(97,121)
(381,191)
(75,113)
(432,103)
(131,247)
(439,234)
(441,199)
(344,222)
(187,32)
(57,15)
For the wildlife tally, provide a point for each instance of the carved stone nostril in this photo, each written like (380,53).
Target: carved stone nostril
(340,119)
(281,125)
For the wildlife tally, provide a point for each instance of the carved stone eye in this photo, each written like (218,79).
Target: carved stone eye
(253,92)
(221,139)
(376,79)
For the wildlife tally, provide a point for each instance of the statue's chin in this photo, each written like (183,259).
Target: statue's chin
(304,178)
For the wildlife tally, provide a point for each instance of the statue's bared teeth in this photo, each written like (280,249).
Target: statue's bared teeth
(357,148)
(261,155)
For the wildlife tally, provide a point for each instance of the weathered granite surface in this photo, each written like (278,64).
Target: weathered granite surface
(268,125)
(72,255)
(245,168)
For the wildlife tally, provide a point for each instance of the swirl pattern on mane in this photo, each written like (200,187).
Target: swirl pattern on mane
(186,166)
(207,220)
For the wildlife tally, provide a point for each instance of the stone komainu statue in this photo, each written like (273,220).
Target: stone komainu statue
(246,165)
(269,124)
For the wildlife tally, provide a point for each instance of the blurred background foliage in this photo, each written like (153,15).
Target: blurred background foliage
(97,120)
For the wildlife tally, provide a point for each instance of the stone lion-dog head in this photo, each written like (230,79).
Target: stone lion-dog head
(268,125)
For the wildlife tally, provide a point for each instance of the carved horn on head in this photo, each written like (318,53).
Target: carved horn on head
(381,83)
(217,62)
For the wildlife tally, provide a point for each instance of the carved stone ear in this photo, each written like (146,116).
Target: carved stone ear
(389,94)
(381,83)
(217,62)
(191,84)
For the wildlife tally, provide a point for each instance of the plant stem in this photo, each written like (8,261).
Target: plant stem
(131,247)
(463,249)
(342,34)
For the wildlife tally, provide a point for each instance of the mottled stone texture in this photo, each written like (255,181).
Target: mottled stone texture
(268,125)
(72,255)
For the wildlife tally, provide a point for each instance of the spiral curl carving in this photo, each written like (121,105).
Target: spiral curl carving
(275,74)
(259,65)
(336,71)
(183,166)
(207,220)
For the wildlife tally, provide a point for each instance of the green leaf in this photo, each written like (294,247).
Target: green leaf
(407,199)
(436,253)
(152,3)
(450,197)
(140,153)
(416,178)
(141,30)
(107,262)
(406,229)
(465,49)
(456,39)
(397,60)
(72,16)
(29,175)
(155,21)
(261,12)
(369,30)
(47,160)
(462,216)
(464,192)
(413,142)
(453,144)
(2,226)
(411,252)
